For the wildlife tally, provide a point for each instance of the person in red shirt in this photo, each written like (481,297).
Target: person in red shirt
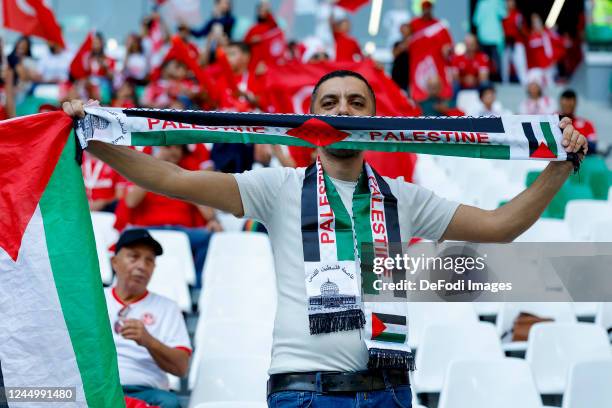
(266,40)
(425,20)
(103,185)
(471,69)
(347,47)
(174,85)
(544,49)
(101,65)
(151,210)
(514,32)
(567,104)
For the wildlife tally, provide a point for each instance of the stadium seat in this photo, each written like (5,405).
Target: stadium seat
(603,316)
(237,378)
(487,308)
(585,310)
(498,383)
(169,282)
(568,192)
(602,232)
(558,311)
(105,235)
(583,215)
(224,337)
(421,314)
(224,303)
(546,230)
(600,184)
(442,344)
(589,385)
(553,347)
(468,101)
(177,244)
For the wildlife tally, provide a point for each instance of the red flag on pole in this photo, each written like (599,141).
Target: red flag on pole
(352,5)
(80,67)
(32,17)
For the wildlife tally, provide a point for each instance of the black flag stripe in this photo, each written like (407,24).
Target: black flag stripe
(533,141)
(391,319)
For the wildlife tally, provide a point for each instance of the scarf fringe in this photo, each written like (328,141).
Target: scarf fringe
(339,321)
(387,358)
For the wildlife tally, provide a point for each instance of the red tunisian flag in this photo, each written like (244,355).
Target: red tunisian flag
(426,60)
(32,17)
(80,67)
(352,5)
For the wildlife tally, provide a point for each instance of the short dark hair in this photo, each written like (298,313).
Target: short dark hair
(568,94)
(244,47)
(341,73)
(485,88)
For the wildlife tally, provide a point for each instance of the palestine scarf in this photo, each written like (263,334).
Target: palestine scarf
(531,137)
(332,246)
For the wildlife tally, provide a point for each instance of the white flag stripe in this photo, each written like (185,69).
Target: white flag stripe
(36,348)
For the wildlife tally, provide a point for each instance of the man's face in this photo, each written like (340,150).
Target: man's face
(237,59)
(568,106)
(347,96)
(134,267)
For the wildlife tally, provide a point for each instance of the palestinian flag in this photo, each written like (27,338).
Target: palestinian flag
(389,327)
(535,137)
(55,328)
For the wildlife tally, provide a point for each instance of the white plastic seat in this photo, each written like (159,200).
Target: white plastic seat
(558,311)
(421,314)
(602,231)
(259,304)
(553,347)
(468,101)
(105,236)
(585,310)
(241,404)
(589,385)
(223,337)
(176,243)
(546,230)
(442,344)
(499,383)
(169,282)
(603,316)
(487,308)
(239,378)
(583,215)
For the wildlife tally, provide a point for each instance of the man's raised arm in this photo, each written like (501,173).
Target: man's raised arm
(217,190)
(506,223)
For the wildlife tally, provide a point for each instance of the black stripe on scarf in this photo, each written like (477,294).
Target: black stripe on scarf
(310,217)
(204,118)
(533,141)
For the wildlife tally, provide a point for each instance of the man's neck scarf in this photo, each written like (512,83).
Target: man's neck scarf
(332,246)
(535,137)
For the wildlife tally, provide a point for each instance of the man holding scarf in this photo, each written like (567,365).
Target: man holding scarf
(328,349)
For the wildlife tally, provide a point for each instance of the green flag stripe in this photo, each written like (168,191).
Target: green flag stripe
(74,262)
(391,337)
(548,136)
(344,228)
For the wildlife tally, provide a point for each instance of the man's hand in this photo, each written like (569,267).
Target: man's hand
(573,141)
(134,329)
(76,108)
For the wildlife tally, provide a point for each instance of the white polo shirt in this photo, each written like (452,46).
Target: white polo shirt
(163,320)
(273,196)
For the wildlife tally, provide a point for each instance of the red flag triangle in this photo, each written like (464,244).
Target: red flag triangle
(377,326)
(30,148)
(543,152)
(317,132)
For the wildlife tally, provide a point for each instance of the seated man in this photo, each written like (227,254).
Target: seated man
(148,329)
(471,69)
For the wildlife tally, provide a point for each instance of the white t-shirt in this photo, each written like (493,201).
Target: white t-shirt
(273,196)
(163,320)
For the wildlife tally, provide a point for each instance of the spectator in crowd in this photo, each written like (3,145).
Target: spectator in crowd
(487,18)
(7,90)
(537,102)
(135,66)
(514,32)
(216,38)
(103,185)
(174,85)
(426,18)
(222,14)
(544,49)
(148,329)
(265,39)
(53,67)
(435,104)
(125,96)
(151,210)
(102,66)
(471,69)
(347,48)
(401,65)
(568,101)
(489,105)
(24,67)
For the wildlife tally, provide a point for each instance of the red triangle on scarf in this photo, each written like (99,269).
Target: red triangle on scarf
(543,152)
(377,326)
(30,148)
(318,133)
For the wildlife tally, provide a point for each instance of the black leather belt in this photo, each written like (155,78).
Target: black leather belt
(334,382)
